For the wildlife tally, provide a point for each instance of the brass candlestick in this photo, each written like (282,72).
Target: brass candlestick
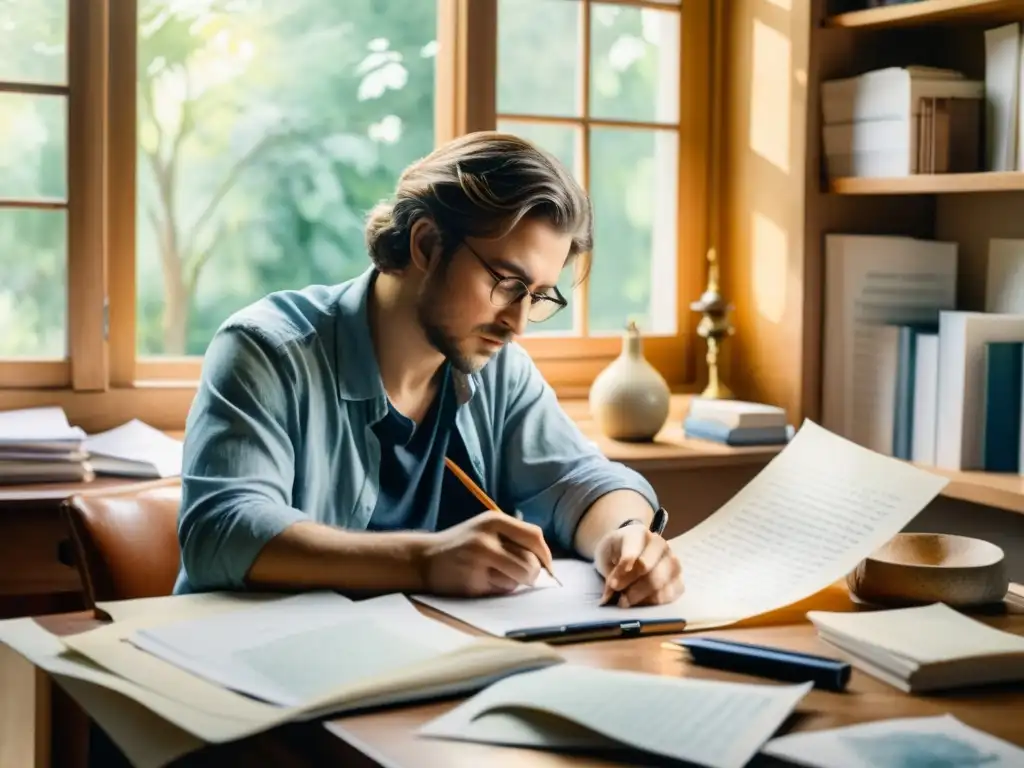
(714,327)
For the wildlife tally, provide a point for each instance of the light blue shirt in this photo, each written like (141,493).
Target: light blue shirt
(280,431)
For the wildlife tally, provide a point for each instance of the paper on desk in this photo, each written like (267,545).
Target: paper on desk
(184,606)
(705,722)
(294,650)
(577,601)
(819,507)
(942,740)
(145,739)
(136,448)
(47,652)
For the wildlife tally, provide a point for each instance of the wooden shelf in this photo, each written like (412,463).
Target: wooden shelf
(671,449)
(925,12)
(990,489)
(930,184)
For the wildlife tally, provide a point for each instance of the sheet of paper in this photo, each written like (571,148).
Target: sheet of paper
(148,741)
(924,634)
(706,722)
(298,649)
(806,520)
(820,506)
(547,604)
(44,424)
(48,653)
(136,441)
(184,606)
(942,740)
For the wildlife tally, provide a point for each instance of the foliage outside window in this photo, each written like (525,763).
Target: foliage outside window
(261,133)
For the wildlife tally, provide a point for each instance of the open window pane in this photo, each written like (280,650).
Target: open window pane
(33,146)
(33,292)
(634,71)
(33,41)
(266,132)
(633,182)
(562,141)
(539,57)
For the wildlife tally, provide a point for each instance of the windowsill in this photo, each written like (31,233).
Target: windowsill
(165,405)
(670,449)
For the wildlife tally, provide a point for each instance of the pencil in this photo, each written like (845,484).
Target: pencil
(487,501)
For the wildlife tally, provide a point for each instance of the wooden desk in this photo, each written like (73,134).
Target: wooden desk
(387,737)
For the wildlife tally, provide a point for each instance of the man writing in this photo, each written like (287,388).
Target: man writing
(315,447)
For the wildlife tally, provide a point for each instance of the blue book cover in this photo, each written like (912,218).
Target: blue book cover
(707,429)
(1001,446)
(903,418)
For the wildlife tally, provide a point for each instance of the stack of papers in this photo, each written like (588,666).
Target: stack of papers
(706,723)
(135,449)
(927,648)
(216,670)
(38,445)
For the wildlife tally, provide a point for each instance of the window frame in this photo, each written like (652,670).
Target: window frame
(103,381)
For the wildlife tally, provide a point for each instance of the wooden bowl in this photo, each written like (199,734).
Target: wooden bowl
(924,568)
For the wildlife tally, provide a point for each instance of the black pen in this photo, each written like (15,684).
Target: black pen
(658,523)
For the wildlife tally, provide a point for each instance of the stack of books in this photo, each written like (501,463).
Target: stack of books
(900,121)
(925,648)
(38,445)
(736,422)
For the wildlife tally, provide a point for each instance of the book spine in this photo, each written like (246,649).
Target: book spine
(1001,444)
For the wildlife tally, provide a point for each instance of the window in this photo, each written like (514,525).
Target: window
(186,158)
(598,84)
(34,191)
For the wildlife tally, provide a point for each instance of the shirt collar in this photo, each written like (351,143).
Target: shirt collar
(358,373)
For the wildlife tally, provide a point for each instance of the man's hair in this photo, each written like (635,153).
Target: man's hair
(480,185)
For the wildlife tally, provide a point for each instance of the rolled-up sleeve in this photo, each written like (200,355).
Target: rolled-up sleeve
(552,471)
(238,462)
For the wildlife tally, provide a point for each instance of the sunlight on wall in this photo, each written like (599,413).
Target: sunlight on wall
(770,95)
(769,249)
(786,5)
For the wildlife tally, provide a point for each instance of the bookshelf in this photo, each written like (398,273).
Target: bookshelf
(778,203)
(990,489)
(930,184)
(930,12)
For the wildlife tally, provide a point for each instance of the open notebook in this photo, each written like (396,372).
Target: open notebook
(222,675)
(926,648)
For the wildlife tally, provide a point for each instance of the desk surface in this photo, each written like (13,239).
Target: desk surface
(387,737)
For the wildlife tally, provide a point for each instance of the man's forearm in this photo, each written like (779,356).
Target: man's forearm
(606,514)
(312,556)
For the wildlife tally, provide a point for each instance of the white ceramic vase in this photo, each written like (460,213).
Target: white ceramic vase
(629,400)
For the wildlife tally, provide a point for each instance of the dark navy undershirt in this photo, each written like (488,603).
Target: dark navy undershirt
(417,492)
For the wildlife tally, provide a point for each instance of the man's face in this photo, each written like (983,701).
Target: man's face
(455,306)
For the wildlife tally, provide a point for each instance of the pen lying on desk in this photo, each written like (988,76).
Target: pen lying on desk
(764,661)
(488,502)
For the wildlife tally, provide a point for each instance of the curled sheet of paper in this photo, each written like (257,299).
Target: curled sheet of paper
(705,722)
(820,506)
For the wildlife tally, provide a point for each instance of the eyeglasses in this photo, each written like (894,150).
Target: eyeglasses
(510,290)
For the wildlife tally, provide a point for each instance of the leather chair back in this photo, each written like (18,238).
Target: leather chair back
(125,540)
